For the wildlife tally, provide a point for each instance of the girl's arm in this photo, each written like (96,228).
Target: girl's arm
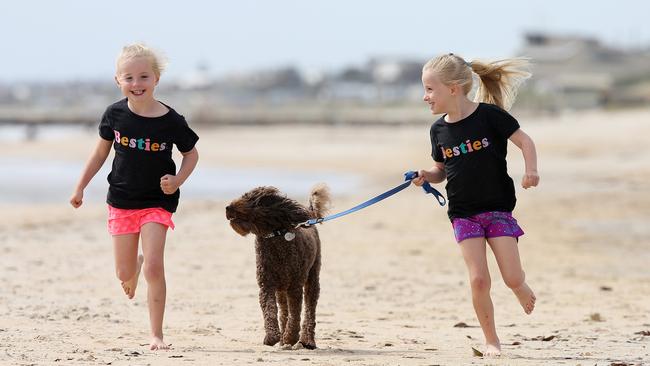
(170,183)
(94,163)
(527,146)
(434,175)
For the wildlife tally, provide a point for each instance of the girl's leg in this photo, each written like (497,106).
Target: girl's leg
(473,250)
(506,253)
(153,247)
(127,261)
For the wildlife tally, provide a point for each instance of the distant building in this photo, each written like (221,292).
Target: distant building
(579,72)
(380,80)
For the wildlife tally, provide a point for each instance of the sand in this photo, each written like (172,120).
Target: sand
(393,282)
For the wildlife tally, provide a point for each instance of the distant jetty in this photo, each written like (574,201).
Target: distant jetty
(222,116)
(41,116)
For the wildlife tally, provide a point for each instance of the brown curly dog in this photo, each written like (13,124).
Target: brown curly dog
(288,259)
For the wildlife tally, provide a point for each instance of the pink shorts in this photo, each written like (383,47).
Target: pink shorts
(124,221)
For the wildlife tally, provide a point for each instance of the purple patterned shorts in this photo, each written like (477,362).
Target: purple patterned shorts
(486,225)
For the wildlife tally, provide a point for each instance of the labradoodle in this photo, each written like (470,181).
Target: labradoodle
(288,259)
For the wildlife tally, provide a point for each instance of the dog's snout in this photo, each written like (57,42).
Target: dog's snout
(229,212)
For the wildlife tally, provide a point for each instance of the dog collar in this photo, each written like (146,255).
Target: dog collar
(288,235)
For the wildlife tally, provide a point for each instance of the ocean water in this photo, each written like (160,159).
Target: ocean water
(47,180)
(16,132)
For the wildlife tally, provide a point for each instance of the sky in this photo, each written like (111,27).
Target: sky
(80,39)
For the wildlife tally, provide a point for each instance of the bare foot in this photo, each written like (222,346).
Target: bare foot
(492,350)
(130,285)
(526,297)
(158,344)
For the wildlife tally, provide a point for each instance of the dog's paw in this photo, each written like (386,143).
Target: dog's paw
(308,345)
(271,339)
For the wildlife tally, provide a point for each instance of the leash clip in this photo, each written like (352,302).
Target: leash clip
(310,222)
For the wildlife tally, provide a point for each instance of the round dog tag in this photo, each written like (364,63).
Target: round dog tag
(289,236)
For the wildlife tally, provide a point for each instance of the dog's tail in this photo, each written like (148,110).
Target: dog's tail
(319,200)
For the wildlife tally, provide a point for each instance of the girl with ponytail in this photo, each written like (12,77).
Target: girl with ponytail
(469,146)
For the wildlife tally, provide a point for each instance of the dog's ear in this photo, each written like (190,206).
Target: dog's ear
(274,212)
(267,200)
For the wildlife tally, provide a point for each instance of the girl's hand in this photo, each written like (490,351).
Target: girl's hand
(419,181)
(530,179)
(169,184)
(77,199)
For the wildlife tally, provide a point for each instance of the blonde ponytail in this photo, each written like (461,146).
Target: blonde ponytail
(499,80)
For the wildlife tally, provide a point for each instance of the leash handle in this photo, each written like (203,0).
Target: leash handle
(410,175)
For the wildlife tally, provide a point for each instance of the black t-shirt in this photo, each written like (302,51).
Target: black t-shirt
(474,154)
(143,154)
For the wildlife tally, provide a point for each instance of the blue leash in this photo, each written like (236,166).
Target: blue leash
(408,177)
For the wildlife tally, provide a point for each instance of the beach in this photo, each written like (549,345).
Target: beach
(394,288)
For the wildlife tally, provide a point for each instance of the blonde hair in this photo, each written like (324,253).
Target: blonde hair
(498,80)
(135,50)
